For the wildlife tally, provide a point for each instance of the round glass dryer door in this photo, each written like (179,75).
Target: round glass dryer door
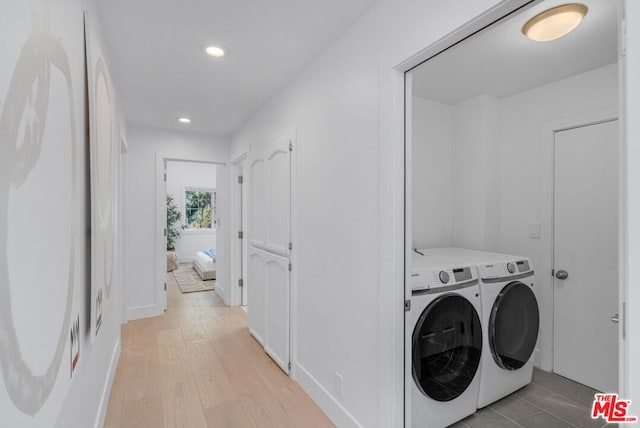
(447,345)
(513,326)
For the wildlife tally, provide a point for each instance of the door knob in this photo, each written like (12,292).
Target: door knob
(615,319)
(562,274)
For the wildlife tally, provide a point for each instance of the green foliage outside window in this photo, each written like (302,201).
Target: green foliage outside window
(199,209)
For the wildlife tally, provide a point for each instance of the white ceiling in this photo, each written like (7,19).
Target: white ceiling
(502,62)
(156,54)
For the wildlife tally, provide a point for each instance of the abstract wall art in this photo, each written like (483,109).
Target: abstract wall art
(104,154)
(40,196)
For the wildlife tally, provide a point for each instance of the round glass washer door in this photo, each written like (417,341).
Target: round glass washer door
(513,326)
(447,346)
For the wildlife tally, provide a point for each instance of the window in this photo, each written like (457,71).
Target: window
(200,209)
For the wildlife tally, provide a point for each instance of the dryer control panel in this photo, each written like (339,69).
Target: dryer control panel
(507,269)
(445,277)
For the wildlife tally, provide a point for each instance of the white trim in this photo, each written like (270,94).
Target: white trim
(160,220)
(256,336)
(147,311)
(106,390)
(547,139)
(222,292)
(332,407)
(624,352)
(408,230)
(392,145)
(235,292)
(294,227)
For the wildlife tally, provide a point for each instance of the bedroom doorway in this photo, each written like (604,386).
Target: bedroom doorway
(190,200)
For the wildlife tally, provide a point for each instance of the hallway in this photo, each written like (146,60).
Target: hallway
(198,366)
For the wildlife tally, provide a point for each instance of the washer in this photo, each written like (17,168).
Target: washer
(510,319)
(445,342)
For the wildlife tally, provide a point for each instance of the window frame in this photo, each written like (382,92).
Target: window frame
(214,222)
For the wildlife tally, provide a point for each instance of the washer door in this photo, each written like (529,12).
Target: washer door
(513,326)
(447,345)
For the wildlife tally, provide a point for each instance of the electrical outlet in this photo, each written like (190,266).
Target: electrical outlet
(337,384)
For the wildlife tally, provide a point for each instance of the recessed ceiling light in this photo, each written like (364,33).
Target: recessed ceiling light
(555,22)
(215,51)
(184,120)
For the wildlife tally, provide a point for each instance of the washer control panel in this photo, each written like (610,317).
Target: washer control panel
(446,277)
(505,269)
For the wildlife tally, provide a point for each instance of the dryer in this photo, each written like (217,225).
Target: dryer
(510,319)
(445,339)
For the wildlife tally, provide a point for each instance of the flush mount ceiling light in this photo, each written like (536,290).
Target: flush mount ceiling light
(215,51)
(555,22)
(184,120)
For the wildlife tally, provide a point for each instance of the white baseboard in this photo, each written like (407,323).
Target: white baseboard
(106,390)
(220,291)
(334,409)
(146,311)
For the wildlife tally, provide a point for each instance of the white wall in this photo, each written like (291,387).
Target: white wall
(144,143)
(39,185)
(499,170)
(475,165)
(523,117)
(432,174)
(348,232)
(180,176)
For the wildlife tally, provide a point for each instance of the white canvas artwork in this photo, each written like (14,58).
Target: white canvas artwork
(41,217)
(104,150)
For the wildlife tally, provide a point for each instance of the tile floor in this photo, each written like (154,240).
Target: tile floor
(550,401)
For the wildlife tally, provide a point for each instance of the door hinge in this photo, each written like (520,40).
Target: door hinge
(240,235)
(240,179)
(289,267)
(289,365)
(407,305)
(290,246)
(165,286)
(165,231)
(165,176)
(290,147)
(553,272)
(240,282)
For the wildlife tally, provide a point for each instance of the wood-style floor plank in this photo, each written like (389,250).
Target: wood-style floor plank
(198,366)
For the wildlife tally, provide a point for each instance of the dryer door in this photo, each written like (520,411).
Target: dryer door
(447,345)
(513,326)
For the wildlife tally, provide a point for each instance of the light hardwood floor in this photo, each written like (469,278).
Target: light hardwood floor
(198,366)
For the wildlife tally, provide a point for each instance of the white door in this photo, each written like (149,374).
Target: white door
(586,253)
(269,235)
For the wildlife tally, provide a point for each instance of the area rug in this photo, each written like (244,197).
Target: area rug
(189,281)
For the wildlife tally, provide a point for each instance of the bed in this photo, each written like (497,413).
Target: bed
(205,264)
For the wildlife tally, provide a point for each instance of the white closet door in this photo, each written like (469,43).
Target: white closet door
(269,234)
(586,255)
(256,312)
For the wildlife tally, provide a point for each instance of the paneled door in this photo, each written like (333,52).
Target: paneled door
(586,255)
(269,236)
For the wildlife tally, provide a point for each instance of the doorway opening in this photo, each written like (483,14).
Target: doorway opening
(189,206)
(484,118)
